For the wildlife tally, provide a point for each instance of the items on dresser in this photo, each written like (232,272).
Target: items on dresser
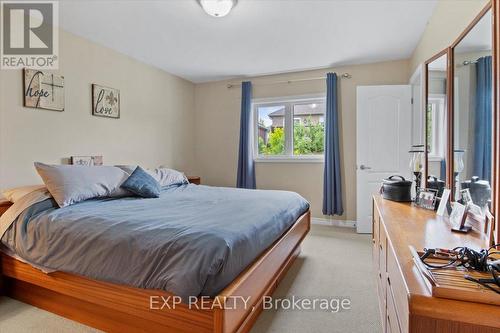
(406,301)
(458,217)
(396,188)
(417,164)
(461,273)
(426,198)
(437,184)
(444,203)
(480,190)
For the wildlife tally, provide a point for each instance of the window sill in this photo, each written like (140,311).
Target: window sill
(290,159)
(435,159)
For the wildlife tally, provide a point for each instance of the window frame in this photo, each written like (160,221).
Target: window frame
(438,129)
(288,102)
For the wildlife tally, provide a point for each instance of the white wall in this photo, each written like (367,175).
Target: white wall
(217,131)
(156,124)
(449,19)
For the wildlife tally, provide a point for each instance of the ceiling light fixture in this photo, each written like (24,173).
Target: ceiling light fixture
(217,8)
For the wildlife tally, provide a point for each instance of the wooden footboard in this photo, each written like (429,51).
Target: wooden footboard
(117,308)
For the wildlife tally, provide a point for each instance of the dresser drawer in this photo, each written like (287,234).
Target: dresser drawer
(382,254)
(392,322)
(380,281)
(382,302)
(376,240)
(397,289)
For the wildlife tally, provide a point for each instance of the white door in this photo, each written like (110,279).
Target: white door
(383,141)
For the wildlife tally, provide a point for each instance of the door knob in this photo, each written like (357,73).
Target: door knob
(364,167)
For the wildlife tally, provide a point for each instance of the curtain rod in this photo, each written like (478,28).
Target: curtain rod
(344,76)
(469,62)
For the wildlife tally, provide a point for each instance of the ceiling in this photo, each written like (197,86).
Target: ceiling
(257,37)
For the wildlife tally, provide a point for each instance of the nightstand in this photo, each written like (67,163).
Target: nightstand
(194,180)
(4,205)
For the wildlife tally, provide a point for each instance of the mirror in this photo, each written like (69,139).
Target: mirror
(472,115)
(435,121)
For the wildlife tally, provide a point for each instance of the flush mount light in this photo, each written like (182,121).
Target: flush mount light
(217,8)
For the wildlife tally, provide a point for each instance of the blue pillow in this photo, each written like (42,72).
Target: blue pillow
(142,184)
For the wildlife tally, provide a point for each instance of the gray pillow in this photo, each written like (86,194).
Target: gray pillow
(164,176)
(70,184)
(167,177)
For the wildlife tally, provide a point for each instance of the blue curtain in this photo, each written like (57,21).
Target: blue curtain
(483,120)
(246,170)
(332,187)
(442,169)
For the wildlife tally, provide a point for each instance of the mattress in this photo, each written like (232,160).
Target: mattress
(194,240)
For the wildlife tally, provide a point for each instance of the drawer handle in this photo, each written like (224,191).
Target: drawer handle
(388,280)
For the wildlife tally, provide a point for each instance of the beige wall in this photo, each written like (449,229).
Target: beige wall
(449,19)
(156,125)
(217,110)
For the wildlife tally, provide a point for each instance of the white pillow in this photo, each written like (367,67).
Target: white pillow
(16,193)
(164,176)
(70,184)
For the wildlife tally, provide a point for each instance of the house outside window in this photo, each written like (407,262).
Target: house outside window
(289,129)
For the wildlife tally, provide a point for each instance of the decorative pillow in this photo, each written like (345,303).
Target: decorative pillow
(16,193)
(70,184)
(142,183)
(164,176)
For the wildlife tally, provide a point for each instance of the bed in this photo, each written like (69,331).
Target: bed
(206,246)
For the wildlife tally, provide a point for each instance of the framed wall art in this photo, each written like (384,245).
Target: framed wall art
(43,90)
(105,101)
(87,160)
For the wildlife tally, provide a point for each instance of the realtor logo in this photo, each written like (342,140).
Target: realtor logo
(29,34)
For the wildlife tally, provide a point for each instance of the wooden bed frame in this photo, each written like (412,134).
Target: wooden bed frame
(118,308)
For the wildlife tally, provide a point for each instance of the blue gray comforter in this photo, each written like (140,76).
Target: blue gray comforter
(193,240)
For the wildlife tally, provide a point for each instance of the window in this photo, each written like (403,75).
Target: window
(436,129)
(290,129)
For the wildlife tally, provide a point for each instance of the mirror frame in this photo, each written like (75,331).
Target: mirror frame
(494,6)
(447,52)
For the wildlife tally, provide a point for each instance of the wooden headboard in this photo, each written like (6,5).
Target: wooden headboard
(4,205)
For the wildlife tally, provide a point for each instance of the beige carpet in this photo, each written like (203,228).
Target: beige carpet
(335,262)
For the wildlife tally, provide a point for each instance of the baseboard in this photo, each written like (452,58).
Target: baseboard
(333,222)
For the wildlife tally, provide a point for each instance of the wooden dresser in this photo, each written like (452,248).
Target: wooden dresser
(406,304)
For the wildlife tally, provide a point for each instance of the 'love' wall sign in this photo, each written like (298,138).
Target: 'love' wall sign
(105,101)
